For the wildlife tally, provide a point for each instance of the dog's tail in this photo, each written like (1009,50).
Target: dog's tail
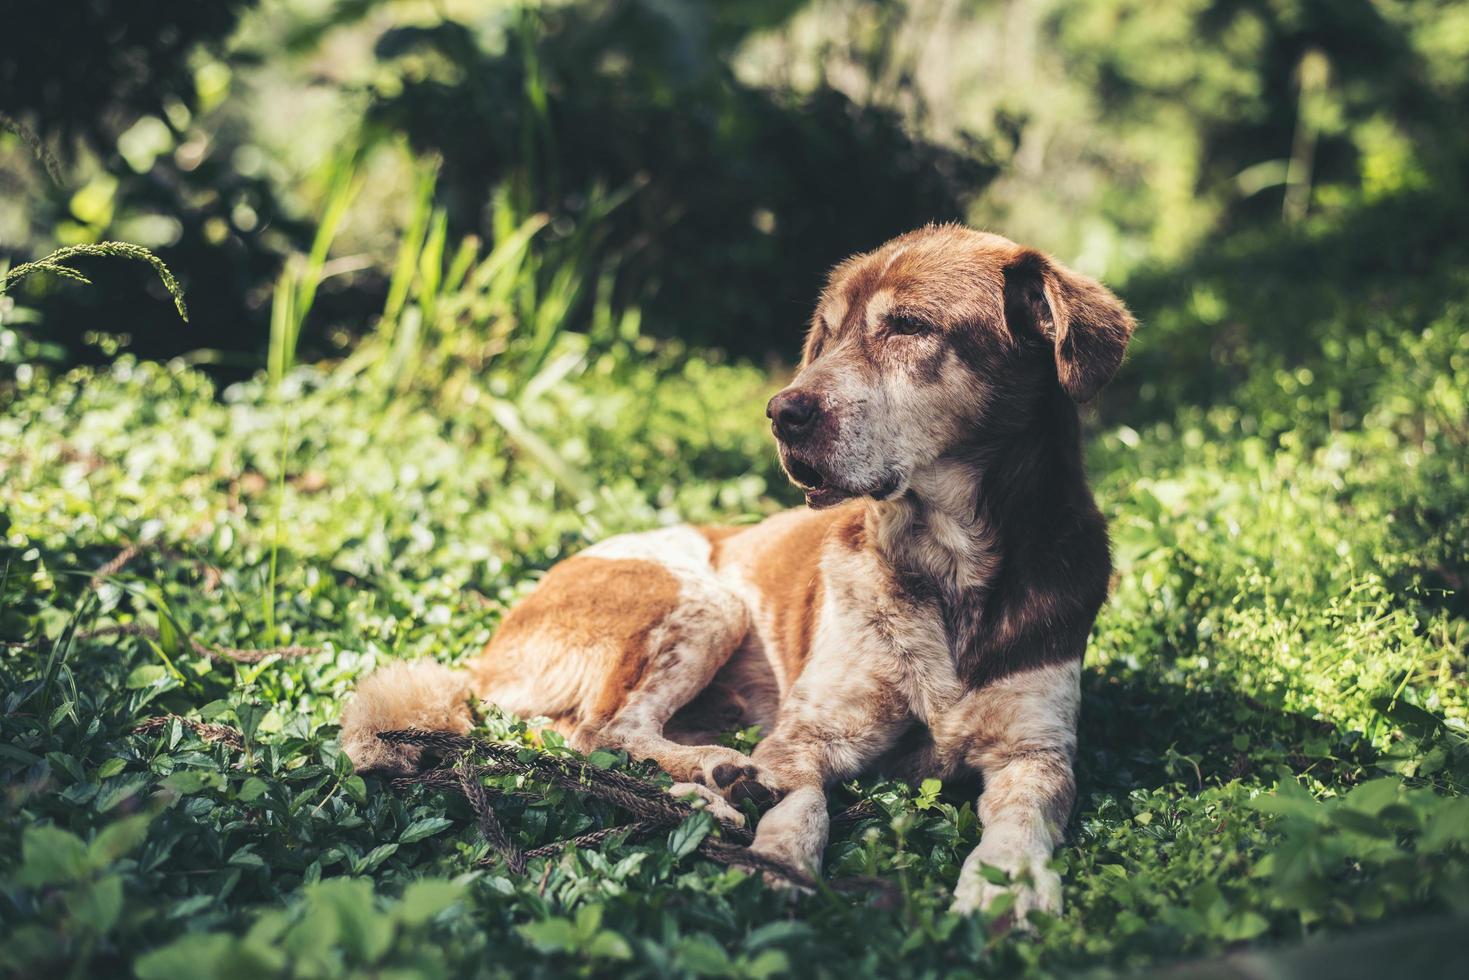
(418,694)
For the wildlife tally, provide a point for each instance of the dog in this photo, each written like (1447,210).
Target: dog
(926,614)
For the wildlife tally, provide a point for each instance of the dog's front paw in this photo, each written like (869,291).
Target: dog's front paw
(717,806)
(745,784)
(1032,886)
(734,775)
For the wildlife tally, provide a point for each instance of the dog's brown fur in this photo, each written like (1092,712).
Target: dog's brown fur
(928,614)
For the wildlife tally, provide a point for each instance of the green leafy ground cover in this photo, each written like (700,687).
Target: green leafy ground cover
(1274,735)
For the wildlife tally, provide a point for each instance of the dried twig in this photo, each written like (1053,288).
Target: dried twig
(207,731)
(468,761)
(235,654)
(474,759)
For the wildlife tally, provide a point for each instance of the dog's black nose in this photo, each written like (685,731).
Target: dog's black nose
(794,413)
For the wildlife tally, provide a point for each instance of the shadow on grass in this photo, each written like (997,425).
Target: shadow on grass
(1139,731)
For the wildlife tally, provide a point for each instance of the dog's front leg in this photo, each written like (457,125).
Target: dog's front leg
(1020,733)
(1026,799)
(827,731)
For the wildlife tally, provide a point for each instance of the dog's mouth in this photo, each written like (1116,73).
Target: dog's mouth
(807,477)
(822,491)
(819,489)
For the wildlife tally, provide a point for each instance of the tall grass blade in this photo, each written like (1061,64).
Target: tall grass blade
(499,274)
(343,187)
(409,251)
(283,326)
(431,265)
(464,259)
(294,296)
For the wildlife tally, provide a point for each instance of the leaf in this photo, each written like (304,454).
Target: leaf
(994,875)
(51,856)
(316,934)
(365,932)
(1448,824)
(1245,925)
(252,789)
(770,963)
(700,954)
(97,904)
(553,935)
(687,836)
(774,933)
(245,857)
(250,714)
(189,958)
(118,838)
(19,755)
(1000,907)
(217,710)
(117,794)
(423,827)
(1374,795)
(168,634)
(187,781)
(603,759)
(145,675)
(1361,823)
(378,855)
(426,898)
(62,710)
(1414,720)
(589,920)
(1290,800)
(928,793)
(608,945)
(628,865)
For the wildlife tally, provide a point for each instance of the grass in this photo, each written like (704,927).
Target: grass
(1274,734)
(55,264)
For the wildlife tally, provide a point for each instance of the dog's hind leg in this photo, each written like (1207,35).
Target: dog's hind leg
(617,639)
(420,694)
(685,651)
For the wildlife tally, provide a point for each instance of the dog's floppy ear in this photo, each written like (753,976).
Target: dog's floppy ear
(1086,324)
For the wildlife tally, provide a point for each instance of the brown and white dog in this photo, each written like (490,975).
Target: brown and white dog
(927,614)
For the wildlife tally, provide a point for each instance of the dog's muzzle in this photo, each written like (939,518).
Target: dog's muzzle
(795,415)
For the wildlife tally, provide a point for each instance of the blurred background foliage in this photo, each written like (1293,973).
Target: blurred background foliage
(707,162)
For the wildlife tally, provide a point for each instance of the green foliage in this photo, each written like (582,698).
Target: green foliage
(550,109)
(338,928)
(1222,114)
(1408,842)
(1273,744)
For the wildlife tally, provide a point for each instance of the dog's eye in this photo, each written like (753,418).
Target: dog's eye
(907,326)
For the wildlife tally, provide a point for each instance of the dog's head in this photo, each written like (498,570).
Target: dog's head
(931,344)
